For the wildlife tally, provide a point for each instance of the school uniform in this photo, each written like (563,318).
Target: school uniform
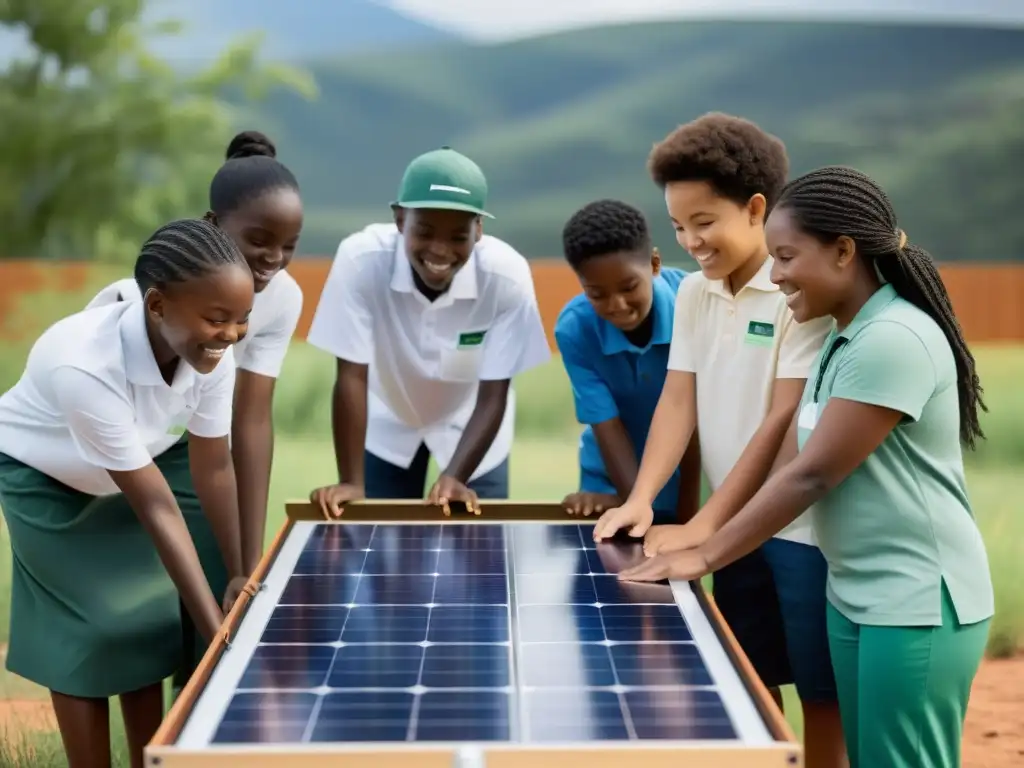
(611,378)
(738,346)
(93,611)
(909,591)
(275,314)
(426,358)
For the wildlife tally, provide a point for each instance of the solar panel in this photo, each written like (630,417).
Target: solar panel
(474,632)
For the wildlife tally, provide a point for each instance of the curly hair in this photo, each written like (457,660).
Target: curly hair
(735,156)
(602,228)
(835,201)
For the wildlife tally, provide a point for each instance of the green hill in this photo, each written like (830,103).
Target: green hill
(934,112)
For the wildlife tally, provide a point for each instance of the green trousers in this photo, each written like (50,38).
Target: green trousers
(903,691)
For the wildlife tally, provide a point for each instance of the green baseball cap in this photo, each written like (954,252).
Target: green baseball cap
(446,180)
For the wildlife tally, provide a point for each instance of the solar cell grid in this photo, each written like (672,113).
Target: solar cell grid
(473,632)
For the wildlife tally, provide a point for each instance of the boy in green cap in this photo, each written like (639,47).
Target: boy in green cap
(429,320)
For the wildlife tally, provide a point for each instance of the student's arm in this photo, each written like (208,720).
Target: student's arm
(252,448)
(343,326)
(480,431)
(688,500)
(789,448)
(252,428)
(348,420)
(102,425)
(755,462)
(675,417)
(800,345)
(212,467)
(595,406)
(672,426)
(514,343)
(887,378)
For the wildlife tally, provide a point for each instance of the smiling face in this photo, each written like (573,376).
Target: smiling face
(266,229)
(200,318)
(721,235)
(620,286)
(438,243)
(815,275)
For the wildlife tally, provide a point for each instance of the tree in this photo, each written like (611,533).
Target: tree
(102,142)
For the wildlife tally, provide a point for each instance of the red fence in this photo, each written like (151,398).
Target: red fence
(989,300)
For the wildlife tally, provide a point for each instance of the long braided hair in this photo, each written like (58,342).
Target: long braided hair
(835,201)
(184,250)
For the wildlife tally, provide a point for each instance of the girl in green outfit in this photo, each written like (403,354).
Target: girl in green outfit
(89,451)
(876,449)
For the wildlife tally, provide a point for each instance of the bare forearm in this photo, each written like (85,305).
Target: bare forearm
(671,429)
(217,491)
(749,473)
(688,499)
(479,434)
(348,426)
(779,502)
(174,546)
(618,455)
(252,449)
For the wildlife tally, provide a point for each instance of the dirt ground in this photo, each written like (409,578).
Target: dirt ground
(993,736)
(994,733)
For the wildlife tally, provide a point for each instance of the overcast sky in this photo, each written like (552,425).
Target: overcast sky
(502,19)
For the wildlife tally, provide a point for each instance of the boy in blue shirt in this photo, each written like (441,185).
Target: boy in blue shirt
(614,343)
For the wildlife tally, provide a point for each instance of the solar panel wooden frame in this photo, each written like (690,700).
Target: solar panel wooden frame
(164,752)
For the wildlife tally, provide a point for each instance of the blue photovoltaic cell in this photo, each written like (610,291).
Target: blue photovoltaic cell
(413,632)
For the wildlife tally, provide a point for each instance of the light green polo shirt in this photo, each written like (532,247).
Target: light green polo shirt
(901,523)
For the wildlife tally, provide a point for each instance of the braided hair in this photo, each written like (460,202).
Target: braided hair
(602,228)
(250,170)
(184,250)
(835,201)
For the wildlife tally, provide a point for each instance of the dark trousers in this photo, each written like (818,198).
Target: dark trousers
(384,480)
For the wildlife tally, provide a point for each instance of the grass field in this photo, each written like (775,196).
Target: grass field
(543,466)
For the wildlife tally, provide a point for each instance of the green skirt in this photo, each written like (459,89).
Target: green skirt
(93,611)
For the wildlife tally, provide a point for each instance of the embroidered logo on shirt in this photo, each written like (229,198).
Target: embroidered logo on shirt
(471,339)
(760,334)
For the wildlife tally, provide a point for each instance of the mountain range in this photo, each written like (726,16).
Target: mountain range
(293,31)
(934,112)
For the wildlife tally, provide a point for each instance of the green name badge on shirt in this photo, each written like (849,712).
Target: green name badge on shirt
(471,339)
(760,334)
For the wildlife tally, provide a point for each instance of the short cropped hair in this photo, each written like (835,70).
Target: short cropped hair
(604,227)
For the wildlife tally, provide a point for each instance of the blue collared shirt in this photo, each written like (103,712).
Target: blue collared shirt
(611,378)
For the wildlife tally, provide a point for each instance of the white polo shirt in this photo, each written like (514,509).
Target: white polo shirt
(92,399)
(427,358)
(275,313)
(738,345)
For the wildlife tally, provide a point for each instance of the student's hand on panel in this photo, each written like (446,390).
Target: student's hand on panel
(587,503)
(661,539)
(332,498)
(235,588)
(633,516)
(677,566)
(448,489)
